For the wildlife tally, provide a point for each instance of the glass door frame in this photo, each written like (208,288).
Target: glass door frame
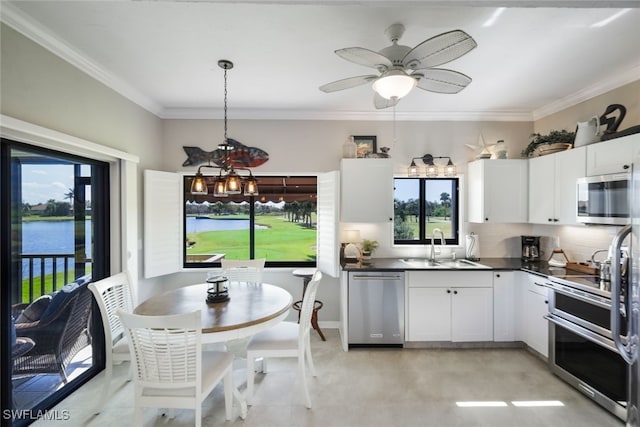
(100,255)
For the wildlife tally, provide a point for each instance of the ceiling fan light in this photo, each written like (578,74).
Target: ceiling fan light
(394,84)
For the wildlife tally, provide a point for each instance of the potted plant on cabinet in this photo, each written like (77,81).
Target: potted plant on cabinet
(368,247)
(554,141)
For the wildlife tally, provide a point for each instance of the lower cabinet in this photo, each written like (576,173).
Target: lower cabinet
(504,310)
(449,306)
(533,305)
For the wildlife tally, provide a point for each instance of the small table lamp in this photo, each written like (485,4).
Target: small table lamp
(351,251)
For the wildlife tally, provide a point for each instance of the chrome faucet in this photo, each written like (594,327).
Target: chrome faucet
(433,238)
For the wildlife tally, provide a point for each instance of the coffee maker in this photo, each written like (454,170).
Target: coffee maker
(530,248)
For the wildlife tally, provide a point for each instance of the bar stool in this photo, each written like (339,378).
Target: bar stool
(307,274)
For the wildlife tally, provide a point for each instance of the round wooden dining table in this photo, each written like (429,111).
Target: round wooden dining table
(251,308)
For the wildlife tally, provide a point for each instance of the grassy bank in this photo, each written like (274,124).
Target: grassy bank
(281,240)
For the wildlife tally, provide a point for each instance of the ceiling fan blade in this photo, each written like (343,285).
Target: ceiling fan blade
(366,57)
(441,80)
(439,50)
(381,102)
(347,83)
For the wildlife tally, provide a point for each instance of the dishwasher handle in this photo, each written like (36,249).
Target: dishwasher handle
(377,277)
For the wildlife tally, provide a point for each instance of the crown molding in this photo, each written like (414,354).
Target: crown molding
(34,30)
(604,86)
(473,116)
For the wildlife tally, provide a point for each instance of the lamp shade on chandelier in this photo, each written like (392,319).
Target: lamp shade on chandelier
(228,182)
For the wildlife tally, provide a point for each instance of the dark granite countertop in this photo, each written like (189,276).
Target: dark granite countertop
(495,264)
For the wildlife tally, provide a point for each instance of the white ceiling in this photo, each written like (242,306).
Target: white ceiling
(163,54)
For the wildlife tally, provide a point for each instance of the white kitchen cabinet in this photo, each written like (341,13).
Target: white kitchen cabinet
(366,190)
(552,186)
(613,156)
(533,305)
(504,312)
(429,314)
(497,191)
(449,306)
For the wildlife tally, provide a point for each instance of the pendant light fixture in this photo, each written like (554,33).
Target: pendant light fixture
(228,182)
(431,169)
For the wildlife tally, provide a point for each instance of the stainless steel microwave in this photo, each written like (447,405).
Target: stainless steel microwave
(604,199)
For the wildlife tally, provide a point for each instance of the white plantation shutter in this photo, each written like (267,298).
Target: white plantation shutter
(162,223)
(328,208)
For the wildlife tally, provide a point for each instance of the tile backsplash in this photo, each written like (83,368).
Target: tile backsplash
(578,242)
(502,240)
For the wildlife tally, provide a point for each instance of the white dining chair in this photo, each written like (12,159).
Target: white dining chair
(286,339)
(112,294)
(243,270)
(171,370)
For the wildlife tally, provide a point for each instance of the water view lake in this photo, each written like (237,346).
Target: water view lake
(198,224)
(56,237)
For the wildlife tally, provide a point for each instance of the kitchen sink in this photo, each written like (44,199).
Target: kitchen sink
(442,264)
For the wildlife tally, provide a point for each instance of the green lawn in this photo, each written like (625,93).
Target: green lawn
(282,240)
(434,222)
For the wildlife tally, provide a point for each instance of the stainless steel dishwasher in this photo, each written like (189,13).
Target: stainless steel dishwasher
(376,308)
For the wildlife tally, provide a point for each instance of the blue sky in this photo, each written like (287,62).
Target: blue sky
(43,182)
(408,189)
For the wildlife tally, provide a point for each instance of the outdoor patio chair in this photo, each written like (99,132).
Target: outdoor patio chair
(59,333)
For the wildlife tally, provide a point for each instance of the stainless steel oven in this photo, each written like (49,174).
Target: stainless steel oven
(581,347)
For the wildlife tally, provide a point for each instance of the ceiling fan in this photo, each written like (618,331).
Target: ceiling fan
(401,68)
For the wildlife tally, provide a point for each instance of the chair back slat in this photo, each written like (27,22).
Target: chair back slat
(165,349)
(246,270)
(113,294)
(308,303)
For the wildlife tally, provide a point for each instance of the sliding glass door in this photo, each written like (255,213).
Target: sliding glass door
(55,233)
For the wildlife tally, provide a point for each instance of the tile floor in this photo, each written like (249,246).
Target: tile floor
(374,387)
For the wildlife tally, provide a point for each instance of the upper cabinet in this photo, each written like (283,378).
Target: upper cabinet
(497,191)
(552,186)
(367,190)
(613,156)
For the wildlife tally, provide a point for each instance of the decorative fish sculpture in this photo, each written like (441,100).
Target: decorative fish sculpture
(240,157)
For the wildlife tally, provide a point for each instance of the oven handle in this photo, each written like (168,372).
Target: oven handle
(579,295)
(628,352)
(584,333)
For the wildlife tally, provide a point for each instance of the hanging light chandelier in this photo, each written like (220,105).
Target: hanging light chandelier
(431,169)
(228,181)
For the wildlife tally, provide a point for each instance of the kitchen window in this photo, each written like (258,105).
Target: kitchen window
(279,224)
(422,205)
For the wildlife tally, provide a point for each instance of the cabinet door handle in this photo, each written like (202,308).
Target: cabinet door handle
(497,275)
(555,220)
(625,167)
(486,219)
(455,292)
(549,219)
(448,291)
